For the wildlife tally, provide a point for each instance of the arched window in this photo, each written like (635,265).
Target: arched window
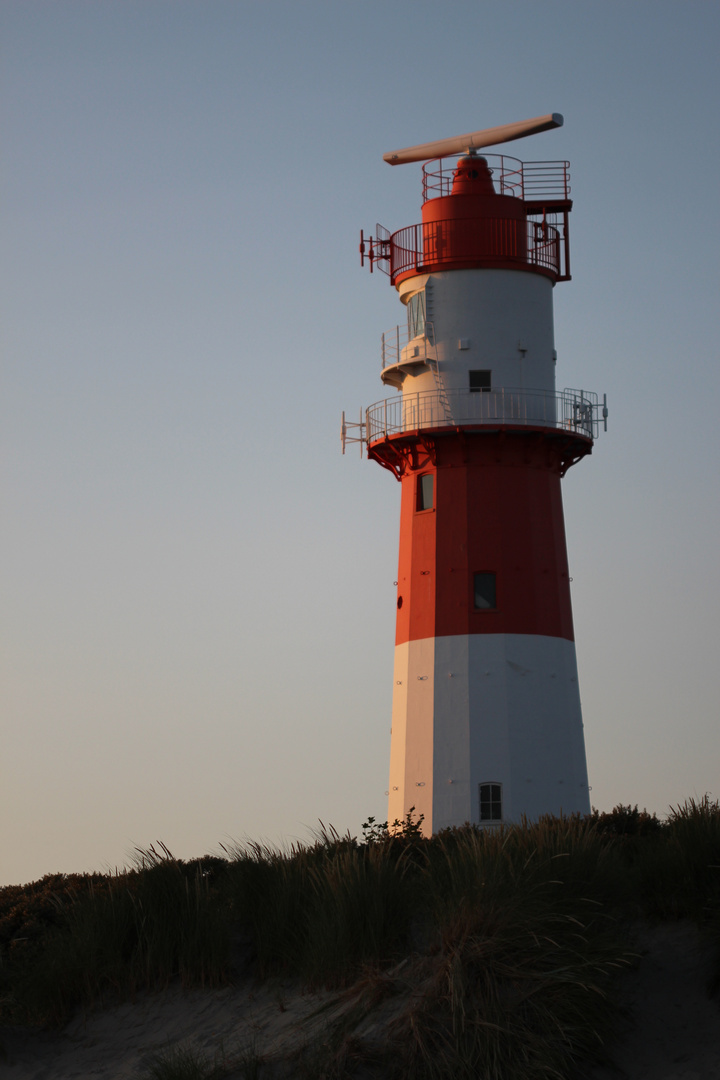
(491,802)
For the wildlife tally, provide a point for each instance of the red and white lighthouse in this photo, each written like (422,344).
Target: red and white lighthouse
(486,719)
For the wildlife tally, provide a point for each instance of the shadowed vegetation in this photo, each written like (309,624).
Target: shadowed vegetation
(480,952)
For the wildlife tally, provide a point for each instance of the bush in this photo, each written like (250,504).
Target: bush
(627,821)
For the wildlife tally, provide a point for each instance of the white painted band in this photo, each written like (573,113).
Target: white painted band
(472,709)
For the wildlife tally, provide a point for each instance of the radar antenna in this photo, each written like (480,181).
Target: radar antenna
(459,144)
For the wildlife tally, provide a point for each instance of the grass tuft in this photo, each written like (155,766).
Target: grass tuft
(180,1063)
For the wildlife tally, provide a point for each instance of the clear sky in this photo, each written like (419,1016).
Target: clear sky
(197,588)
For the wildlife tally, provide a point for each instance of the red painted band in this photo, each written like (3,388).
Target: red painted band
(497,509)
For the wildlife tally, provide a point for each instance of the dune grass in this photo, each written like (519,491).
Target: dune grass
(91,939)
(323,911)
(183,1063)
(497,949)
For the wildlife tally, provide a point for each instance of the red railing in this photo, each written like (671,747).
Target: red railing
(476,240)
(541,242)
(531,181)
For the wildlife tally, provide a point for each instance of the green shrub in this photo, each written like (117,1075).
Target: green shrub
(627,821)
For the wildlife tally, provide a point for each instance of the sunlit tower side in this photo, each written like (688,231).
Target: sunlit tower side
(486,718)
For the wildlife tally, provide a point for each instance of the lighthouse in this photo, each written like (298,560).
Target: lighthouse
(486,717)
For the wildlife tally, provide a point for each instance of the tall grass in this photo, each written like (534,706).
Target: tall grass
(519,984)
(680,870)
(324,911)
(499,948)
(137,929)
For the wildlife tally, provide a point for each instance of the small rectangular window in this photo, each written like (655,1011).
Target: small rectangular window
(425,491)
(480,381)
(484,592)
(491,802)
(416,315)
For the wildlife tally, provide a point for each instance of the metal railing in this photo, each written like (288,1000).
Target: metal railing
(532,243)
(527,180)
(566,410)
(395,346)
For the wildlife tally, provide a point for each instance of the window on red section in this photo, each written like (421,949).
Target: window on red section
(425,491)
(484,592)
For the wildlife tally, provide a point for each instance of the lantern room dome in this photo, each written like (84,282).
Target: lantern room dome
(472,177)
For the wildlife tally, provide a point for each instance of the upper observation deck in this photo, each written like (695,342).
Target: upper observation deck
(576,411)
(482,211)
(570,418)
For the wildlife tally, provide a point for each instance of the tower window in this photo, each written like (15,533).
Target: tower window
(491,802)
(480,381)
(425,491)
(416,315)
(484,592)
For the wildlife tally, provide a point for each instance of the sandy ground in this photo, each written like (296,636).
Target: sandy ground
(672,1032)
(673,1025)
(120,1042)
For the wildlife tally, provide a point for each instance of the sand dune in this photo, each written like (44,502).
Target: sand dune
(671,1025)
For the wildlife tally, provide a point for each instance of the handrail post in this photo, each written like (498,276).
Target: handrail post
(582,410)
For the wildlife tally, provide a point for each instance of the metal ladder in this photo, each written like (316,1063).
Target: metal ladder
(432,360)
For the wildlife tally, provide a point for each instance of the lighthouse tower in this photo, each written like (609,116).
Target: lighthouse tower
(486,718)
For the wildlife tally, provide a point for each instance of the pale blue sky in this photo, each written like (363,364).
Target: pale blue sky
(197,589)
